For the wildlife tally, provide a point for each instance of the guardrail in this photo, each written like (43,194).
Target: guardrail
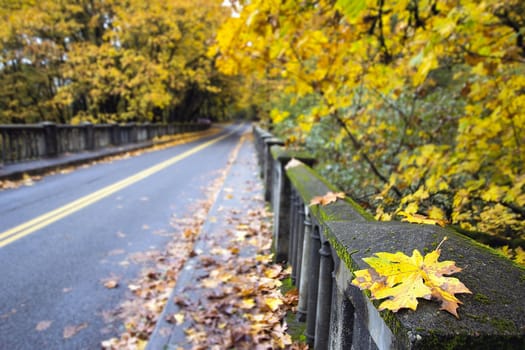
(27,142)
(325,244)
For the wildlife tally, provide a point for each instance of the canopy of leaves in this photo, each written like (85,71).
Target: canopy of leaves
(413,107)
(101,61)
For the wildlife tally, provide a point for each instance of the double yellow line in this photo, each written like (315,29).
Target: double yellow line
(48,218)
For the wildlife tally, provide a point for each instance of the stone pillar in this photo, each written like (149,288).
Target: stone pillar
(341,319)
(324,298)
(281,212)
(313,283)
(115,135)
(292,247)
(281,200)
(299,240)
(304,279)
(51,141)
(266,165)
(89,135)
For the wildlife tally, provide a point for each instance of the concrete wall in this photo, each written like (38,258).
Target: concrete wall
(26,142)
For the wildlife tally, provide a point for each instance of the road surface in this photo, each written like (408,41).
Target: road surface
(62,237)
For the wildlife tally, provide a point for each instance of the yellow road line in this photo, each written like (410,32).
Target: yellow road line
(48,218)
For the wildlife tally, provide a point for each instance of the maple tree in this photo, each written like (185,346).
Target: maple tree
(413,107)
(402,279)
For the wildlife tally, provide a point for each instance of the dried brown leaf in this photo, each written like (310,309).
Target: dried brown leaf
(43,325)
(329,197)
(71,331)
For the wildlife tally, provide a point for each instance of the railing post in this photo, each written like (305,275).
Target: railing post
(341,317)
(324,298)
(115,135)
(89,135)
(304,279)
(281,209)
(281,202)
(299,240)
(50,136)
(266,165)
(293,233)
(313,289)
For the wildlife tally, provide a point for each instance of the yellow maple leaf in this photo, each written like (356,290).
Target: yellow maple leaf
(273,303)
(329,197)
(420,219)
(402,279)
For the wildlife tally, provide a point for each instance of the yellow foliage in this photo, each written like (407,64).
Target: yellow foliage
(432,97)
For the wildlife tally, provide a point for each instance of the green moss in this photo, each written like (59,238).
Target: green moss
(287,285)
(300,176)
(502,325)
(481,298)
(279,152)
(296,329)
(432,341)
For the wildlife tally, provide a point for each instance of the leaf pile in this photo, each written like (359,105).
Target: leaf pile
(239,303)
(151,290)
(235,300)
(402,279)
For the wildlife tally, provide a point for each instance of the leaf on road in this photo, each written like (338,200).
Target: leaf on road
(178,318)
(402,279)
(71,331)
(43,325)
(329,197)
(111,284)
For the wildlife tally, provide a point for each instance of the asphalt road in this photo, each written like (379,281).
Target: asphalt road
(53,262)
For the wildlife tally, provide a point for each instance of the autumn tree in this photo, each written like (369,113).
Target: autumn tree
(414,107)
(100,61)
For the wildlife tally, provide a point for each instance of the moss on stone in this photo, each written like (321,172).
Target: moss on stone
(482,298)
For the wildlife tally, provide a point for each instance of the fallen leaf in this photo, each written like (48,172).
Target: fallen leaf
(402,279)
(293,163)
(421,219)
(179,318)
(110,284)
(247,303)
(133,287)
(329,197)
(71,331)
(43,325)
(273,303)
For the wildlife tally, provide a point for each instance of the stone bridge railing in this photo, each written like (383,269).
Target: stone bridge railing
(26,142)
(325,244)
